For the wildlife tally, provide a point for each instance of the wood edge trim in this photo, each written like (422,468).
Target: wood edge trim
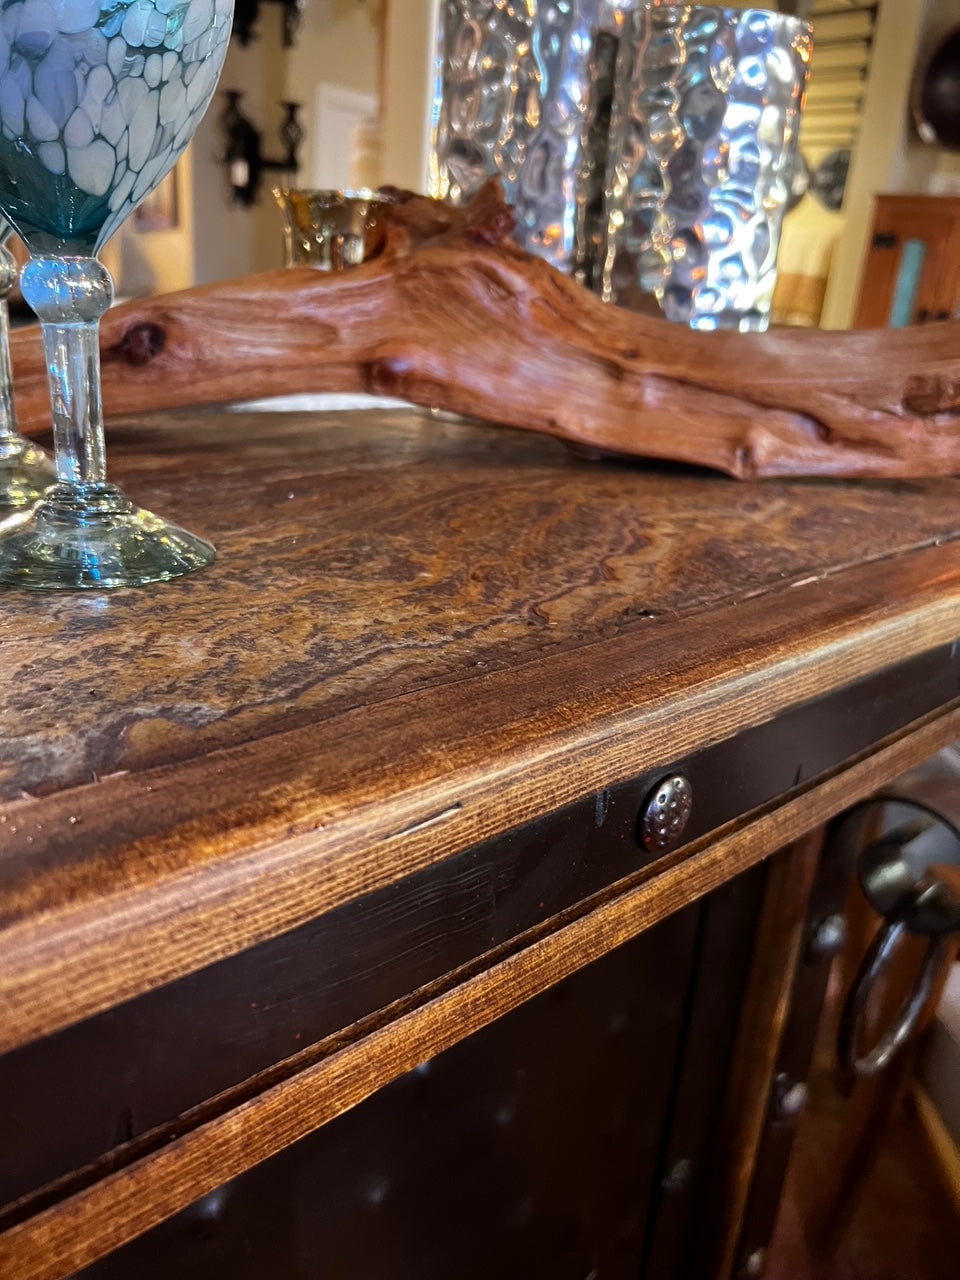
(71,963)
(943,1149)
(74,1233)
(776,957)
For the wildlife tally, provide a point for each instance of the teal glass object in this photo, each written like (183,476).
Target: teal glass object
(98,99)
(704,136)
(908,282)
(25,470)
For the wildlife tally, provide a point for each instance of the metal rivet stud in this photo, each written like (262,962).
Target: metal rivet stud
(666,812)
(679,1176)
(829,935)
(755,1264)
(792,1097)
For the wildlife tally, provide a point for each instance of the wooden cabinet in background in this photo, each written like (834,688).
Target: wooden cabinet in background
(912,271)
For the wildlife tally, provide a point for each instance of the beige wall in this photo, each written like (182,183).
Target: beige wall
(218,238)
(169,255)
(409,42)
(143,262)
(230,239)
(338,44)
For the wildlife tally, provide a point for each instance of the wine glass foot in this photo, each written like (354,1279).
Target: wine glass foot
(25,472)
(93,537)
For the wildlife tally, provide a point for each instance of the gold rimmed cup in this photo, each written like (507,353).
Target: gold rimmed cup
(331,230)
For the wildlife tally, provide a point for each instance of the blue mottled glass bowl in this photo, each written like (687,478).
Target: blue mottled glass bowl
(98,99)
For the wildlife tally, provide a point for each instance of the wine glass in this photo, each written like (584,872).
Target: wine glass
(98,99)
(25,470)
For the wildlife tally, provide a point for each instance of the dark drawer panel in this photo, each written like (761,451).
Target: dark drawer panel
(138,1067)
(527,1152)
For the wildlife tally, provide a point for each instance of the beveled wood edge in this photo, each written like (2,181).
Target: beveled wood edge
(507,762)
(73,1234)
(766,1009)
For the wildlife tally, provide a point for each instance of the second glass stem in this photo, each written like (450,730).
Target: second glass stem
(9,438)
(8,429)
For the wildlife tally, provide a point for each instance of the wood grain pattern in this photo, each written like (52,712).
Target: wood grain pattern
(339,1075)
(450,637)
(387,552)
(767,1004)
(453,315)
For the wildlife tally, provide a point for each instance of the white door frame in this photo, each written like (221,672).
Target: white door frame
(336,113)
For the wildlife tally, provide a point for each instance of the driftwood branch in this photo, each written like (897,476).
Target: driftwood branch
(453,315)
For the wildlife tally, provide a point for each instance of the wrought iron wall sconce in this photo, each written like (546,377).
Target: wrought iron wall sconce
(246,12)
(244,158)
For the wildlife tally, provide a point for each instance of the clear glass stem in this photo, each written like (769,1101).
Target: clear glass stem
(70,295)
(73,358)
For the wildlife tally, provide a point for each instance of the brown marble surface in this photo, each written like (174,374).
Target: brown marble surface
(363,556)
(419,634)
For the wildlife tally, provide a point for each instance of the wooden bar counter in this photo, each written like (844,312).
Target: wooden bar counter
(335,937)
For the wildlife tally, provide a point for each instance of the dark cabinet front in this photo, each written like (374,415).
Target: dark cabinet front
(543,1146)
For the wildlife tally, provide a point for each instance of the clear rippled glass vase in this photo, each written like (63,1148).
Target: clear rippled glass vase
(703,144)
(524,91)
(98,99)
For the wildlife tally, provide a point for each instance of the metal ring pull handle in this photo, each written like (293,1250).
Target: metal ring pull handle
(900,1029)
(908,877)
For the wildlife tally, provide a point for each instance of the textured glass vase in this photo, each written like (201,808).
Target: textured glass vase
(98,98)
(524,90)
(703,143)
